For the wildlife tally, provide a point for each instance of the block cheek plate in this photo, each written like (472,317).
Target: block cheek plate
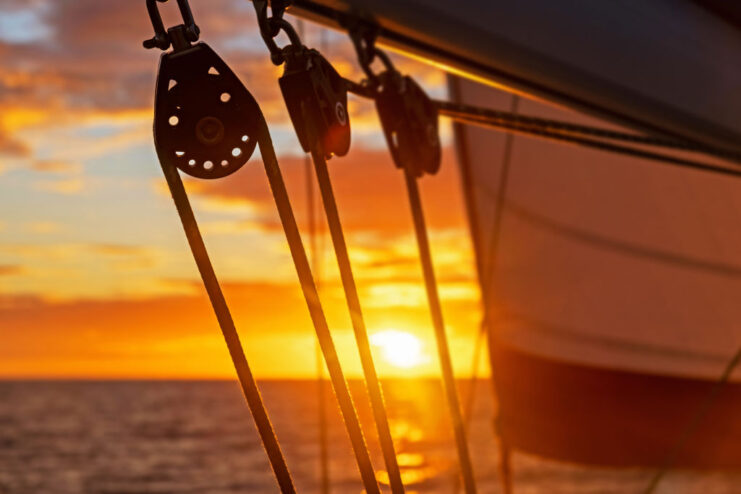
(410,124)
(205,120)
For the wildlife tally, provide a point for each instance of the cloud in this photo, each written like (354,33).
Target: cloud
(13,147)
(44,227)
(91,58)
(370,192)
(70,186)
(11,270)
(55,166)
(178,335)
(119,250)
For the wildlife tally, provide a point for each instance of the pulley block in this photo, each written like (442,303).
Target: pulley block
(410,124)
(316,95)
(205,120)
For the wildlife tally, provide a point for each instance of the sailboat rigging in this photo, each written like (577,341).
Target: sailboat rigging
(198,94)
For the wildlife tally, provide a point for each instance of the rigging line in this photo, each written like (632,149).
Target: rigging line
(356,316)
(316,269)
(226,323)
(316,257)
(308,287)
(499,198)
(321,385)
(597,144)
(488,285)
(468,111)
(470,402)
(323,433)
(485,267)
(597,240)
(443,350)
(542,126)
(694,423)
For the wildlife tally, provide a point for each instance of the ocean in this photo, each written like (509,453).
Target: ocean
(134,437)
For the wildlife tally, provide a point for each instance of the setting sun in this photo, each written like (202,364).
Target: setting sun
(399,348)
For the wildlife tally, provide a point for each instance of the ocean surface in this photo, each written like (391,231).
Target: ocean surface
(136,437)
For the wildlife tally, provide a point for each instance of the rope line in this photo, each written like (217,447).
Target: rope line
(595,144)
(486,265)
(467,111)
(488,287)
(694,423)
(226,323)
(316,258)
(574,133)
(358,323)
(316,312)
(324,481)
(316,269)
(470,402)
(443,350)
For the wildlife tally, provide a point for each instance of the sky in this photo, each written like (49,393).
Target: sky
(96,279)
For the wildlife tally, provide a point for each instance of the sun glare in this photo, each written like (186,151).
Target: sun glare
(399,348)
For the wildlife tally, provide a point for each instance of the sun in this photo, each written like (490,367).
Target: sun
(399,348)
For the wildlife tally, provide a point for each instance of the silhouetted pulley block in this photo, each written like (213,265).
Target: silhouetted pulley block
(316,95)
(410,123)
(205,120)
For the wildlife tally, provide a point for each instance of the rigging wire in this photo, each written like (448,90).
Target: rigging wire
(373,384)
(505,452)
(694,423)
(594,143)
(189,57)
(226,323)
(481,113)
(443,350)
(316,254)
(321,384)
(587,136)
(393,120)
(270,27)
(487,265)
(304,67)
(470,400)
(568,131)
(316,312)
(324,452)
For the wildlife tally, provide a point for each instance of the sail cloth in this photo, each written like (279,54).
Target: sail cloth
(614,296)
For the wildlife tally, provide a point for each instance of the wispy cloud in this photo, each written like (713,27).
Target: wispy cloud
(56,166)
(11,270)
(69,186)
(43,227)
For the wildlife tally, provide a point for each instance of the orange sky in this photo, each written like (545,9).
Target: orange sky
(96,279)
